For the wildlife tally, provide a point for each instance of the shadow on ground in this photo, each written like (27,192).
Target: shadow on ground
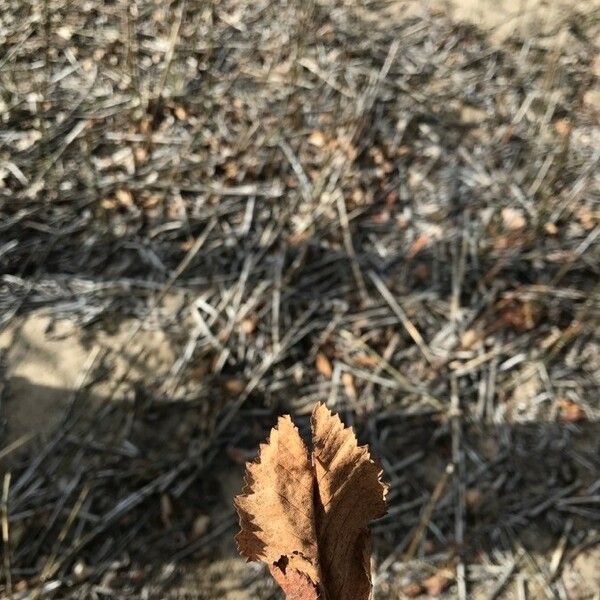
(138,495)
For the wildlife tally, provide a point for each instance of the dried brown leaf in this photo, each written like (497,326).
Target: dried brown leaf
(235,386)
(350,495)
(513,219)
(124,197)
(317,138)
(418,245)
(438,583)
(563,127)
(550,228)
(413,590)
(571,412)
(349,386)
(308,518)
(249,325)
(276,508)
(323,365)
(470,338)
(366,360)
(520,315)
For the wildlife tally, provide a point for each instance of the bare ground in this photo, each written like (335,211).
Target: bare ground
(198,199)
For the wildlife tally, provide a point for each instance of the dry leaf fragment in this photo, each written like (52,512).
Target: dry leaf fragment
(317,138)
(470,338)
(367,361)
(571,412)
(323,365)
(276,509)
(418,245)
(307,516)
(108,203)
(563,127)
(348,382)
(235,386)
(413,590)
(550,228)
(438,583)
(124,197)
(200,526)
(180,113)
(586,217)
(513,219)
(521,315)
(249,325)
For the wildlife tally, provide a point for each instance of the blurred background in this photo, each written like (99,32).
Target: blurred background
(213,212)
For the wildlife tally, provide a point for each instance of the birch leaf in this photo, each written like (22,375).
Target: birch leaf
(276,506)
(350,495)
(308,518)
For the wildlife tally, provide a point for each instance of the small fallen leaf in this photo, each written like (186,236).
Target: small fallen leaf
(108,203)
(381,217)
(317,139)
(570,412)
(586,217)
(550,228)
(323,365)
(471,115)
(152,201)
(235,386)
(413,590)
(124,197)
(249,325)
(391,198)
(513,218)
(527,387)
(348,382)
(187,245)
(180,112)
(366,360)
(418,245)
(521,315)
(596,66)
(298,238)
(307,516)
(563,127)
(140,154)
(438,583)
(231,169)
(469,339)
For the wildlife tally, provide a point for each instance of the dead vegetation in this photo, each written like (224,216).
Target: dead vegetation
(368,204)
(306,514)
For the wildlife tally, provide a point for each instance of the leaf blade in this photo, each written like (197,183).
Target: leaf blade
(276,505)
(350,494)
